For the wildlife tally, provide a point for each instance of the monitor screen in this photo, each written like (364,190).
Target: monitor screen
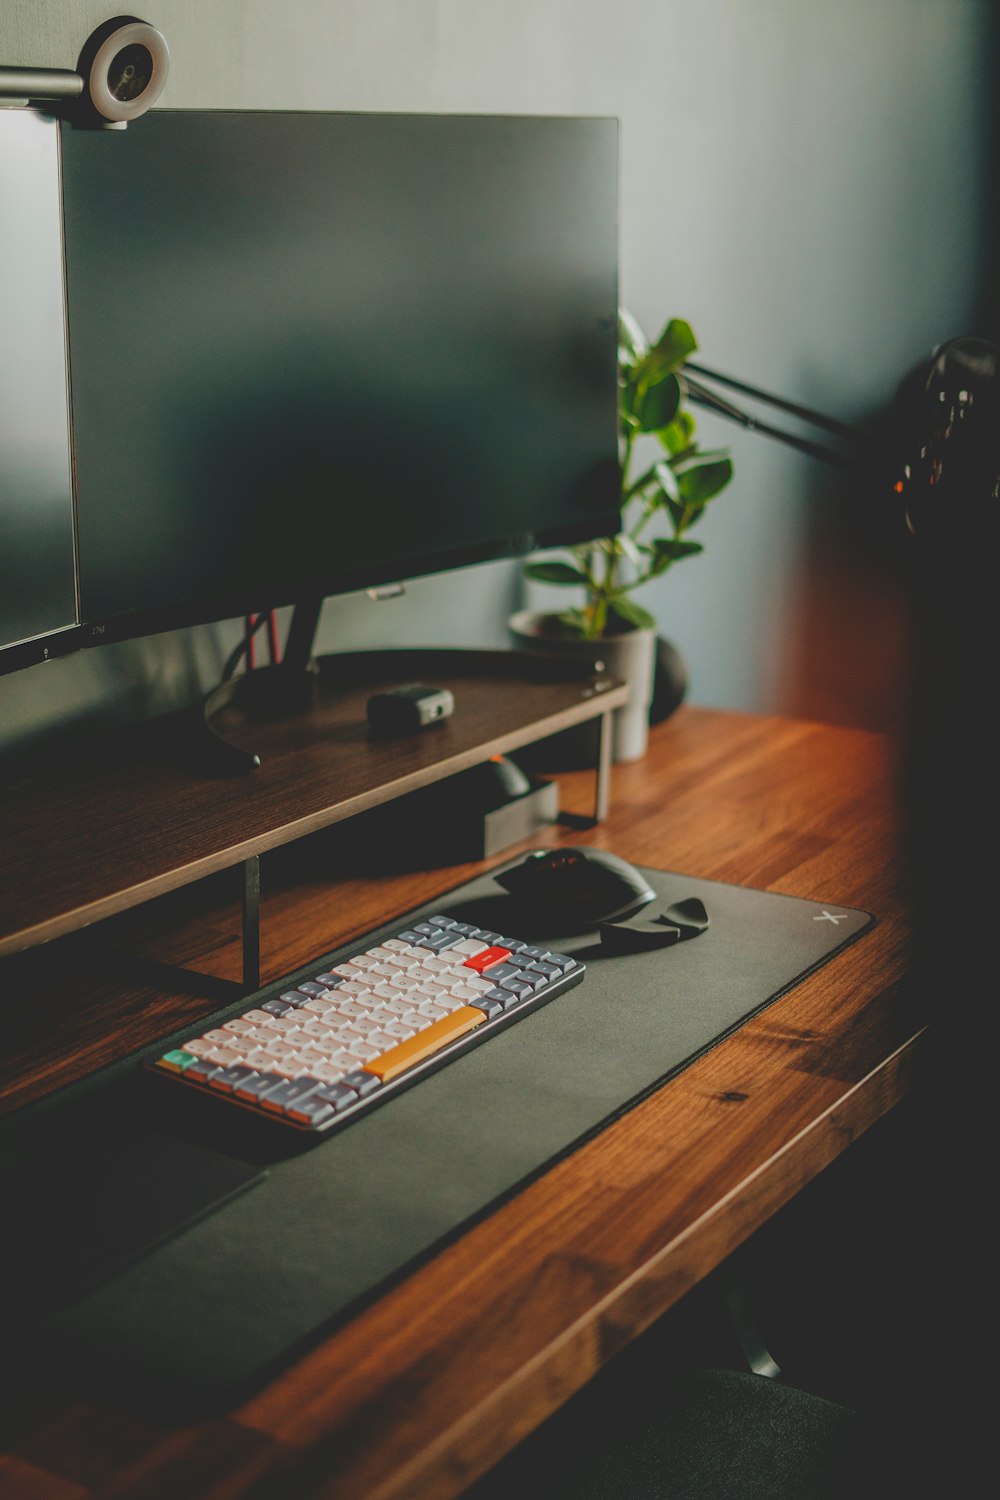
(316,352)
(38,603)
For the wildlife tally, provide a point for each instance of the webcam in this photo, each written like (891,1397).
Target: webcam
(119,75)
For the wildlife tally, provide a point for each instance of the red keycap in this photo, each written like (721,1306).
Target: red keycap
(487,959)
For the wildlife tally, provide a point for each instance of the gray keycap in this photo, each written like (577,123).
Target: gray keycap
(289,1092)
(227,1079)
(277,1007)
(560,960)
(544,967)
(501,971)
(517,987)
(201,1070)
(257,1085)
(311,1111)
(335,1094)
(361,1082)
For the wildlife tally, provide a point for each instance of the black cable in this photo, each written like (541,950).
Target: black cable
(240,651)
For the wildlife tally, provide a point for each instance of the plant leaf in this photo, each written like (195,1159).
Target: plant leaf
(672,550)
(702,456)
(679,434)
(554,572)
(698,485)
(657,406)
(667,480)
(676,343)
(632,613)
(628,548)
(632,343)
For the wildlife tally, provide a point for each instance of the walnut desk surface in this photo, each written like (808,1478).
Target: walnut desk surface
(436,1380)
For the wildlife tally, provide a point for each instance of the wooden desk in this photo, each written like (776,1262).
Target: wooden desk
(437,1380)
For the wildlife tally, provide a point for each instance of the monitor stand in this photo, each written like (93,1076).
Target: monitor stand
(291,689)
(280,691)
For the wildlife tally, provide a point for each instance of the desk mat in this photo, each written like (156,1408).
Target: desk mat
(78,1214)
(205,1318)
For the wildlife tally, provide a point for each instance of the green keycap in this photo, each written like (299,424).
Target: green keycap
(177,1060)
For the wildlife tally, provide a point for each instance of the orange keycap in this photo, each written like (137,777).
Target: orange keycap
(426,1042)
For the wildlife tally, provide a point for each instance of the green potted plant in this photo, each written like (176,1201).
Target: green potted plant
(666,481)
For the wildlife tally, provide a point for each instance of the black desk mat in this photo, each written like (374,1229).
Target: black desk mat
(205,1318)
(77,1214)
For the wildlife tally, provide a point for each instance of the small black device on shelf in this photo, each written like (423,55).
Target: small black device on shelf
(405,709)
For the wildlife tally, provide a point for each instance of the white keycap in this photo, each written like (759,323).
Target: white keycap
(385,970)
(469,946)
(227,1057)
(288,1067)
(449,1001)
(345,1059)
(398,1031)
(364,1052)
(262,1060)
(200,1046)
(351,1009)
(317,1005)
(393,1009)
(327,1072)
(464,992)
(404,983)
(352,989)
(286,1026)
(319,1028)
(476,982)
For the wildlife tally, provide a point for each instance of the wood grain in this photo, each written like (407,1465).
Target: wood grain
(131,816)
(433,1383)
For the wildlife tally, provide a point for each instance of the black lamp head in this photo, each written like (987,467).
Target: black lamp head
(951,415)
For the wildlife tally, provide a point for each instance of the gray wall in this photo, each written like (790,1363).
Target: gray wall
(805,182)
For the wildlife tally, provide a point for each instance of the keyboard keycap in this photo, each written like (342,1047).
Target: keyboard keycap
(425,1043)
(322,1048)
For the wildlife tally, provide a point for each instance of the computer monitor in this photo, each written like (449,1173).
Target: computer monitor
(311,353)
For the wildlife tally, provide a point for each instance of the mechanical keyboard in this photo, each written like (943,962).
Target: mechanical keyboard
(316,1053)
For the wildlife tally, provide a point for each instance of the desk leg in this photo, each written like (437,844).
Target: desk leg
(602,778)
(251,924)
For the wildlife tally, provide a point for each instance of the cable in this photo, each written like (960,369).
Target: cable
(243,649)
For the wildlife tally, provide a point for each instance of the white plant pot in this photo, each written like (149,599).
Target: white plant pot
(629,657)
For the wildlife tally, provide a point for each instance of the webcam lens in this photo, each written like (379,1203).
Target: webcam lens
(130,72)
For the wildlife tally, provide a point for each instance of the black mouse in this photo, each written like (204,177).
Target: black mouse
(579,885)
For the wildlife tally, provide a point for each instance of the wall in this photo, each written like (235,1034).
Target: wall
(805,183)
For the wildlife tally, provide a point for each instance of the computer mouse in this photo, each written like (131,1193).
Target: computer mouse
(576,884)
